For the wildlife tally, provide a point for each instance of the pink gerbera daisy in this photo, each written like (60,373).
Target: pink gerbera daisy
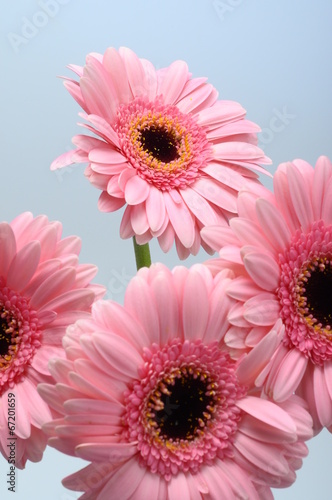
(152,399)
(42,290)
(283,242)
(165,147)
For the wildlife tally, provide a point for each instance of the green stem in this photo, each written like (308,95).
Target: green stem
(142,255)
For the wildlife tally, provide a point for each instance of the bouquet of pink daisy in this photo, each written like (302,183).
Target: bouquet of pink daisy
(207,382)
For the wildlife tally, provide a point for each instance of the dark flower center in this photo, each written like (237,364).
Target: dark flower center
(8,335)
(5,337)
(318,292)
(182,410)
(183,404)
(166,147)
(160,143)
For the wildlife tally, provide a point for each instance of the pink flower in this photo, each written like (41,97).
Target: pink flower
(152,399)
(42,290)
(165,147)
(281,245)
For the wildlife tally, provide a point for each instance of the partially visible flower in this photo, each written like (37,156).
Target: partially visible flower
(42,290)
(151,397)
(281,245)
(165,147)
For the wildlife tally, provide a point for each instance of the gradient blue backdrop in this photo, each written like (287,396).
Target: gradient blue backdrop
(273,57)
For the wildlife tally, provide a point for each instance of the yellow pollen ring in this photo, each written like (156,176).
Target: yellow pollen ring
(8,333)
(6,359)
(172,126)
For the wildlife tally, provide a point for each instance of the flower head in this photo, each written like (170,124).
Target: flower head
(150,395)
(283,243)
(42,290)
(165,147)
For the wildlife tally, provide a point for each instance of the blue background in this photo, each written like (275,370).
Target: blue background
(274,57)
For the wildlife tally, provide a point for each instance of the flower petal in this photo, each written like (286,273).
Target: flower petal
(250,234)
(119,353)
(7,247)
(290,374)
(135,72)
(173,81)
(264,456)
(262,309)
(139,221)
(195,99)
(268,412)
(195,306)
(106,155)
(181,220)
(136,190)
(199,207)
(299,194)
(124,481)
(218,236)
(108,203)
(262,268)
(222,173)
(167,307)
(115,66)
(178,488)
(140,303)
(220,305)
(114,452)
(219,194)
(283,199)
(322,397)
(155,209)
(56,284)
(273,224)
(63,160)
(24,266)
(252,364)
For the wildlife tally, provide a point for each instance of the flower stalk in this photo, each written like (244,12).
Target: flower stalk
(142,254)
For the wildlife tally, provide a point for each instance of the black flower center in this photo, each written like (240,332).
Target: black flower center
(160,143)
(8,332)
(318,293)
(5,338)
(184,406)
